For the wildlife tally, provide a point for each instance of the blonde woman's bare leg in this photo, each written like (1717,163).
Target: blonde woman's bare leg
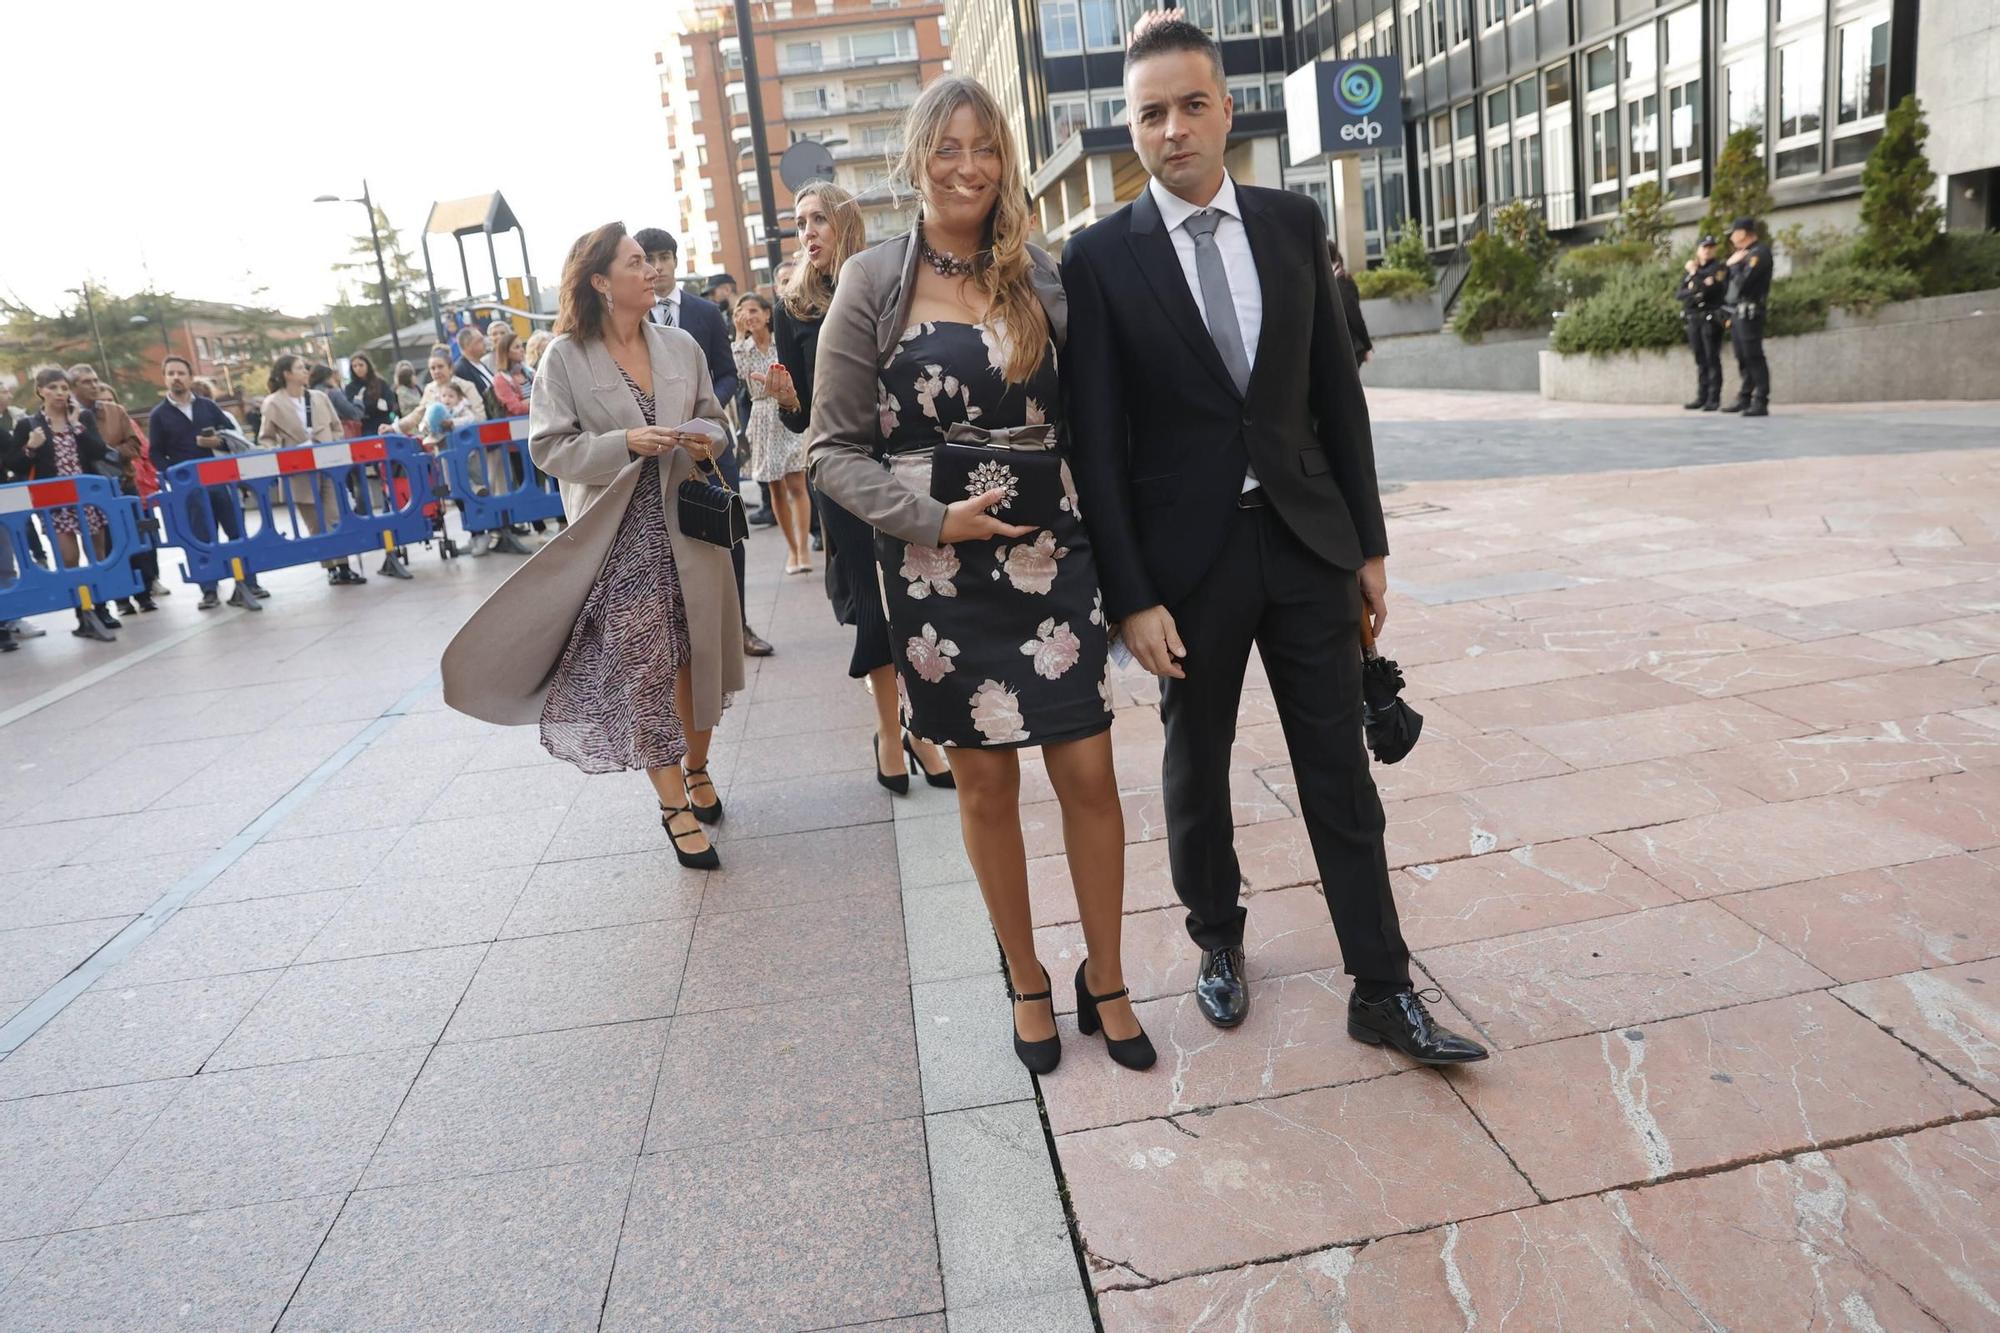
(989,817)
(797,517)
(1093,821)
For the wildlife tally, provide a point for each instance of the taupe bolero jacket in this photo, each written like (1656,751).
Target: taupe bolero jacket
(870,311)
(499,664)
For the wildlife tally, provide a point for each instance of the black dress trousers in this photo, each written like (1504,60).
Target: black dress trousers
(1303,615)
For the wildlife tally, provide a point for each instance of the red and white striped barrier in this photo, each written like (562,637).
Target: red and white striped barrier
(288,462)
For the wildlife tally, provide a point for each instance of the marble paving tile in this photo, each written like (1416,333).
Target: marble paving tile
(1687,1094)
(206,941)
(352,1007)
(391,914)
(546,982)
(802,868)
(1962,808)
(1876,922)
(85,893)
(599,891)
(1492,671)
(1504,893)
(1892,1233)
(1615,972)
(130,1035)
(1661,733)
(1447,763)
(1295,1039)
(1765,845)
(1951,1014)
(1290,1173)
(1873,754)
(767,954)
(1439,828)
(1947,640)
(1287,931)
(1612,694)
(57,1148)
(1883,697)
(1600,800)
(1767,669)
(34,958)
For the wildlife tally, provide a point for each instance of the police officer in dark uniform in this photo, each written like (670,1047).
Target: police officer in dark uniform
(1702,288)
(1747,298)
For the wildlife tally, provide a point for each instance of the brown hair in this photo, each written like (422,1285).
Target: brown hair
(1002,270)
(581,311)
(504,342)
(810,290)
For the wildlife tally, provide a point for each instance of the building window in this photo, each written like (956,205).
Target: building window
(1274,93)
(1062,29)
(805,101)
(739,104)
(1468,183)
(1496,109)
(201,349)
(1274,16)
(1440,25)
(799,55)
(1680,37)
(1500,170)
(1864,70)
(1801,89)
(1319,193)
(1599,70)
(1468,121)
(1107,109)
(1684,139)
(1247,92)
(1493,12)
(1555,84)
(1239,18)
(1413,36)
(1603,162)
(1743,95)
(1642,129)
(1742,19)
(1100,25)
(1524,97)
(1067,115)
(1530,146)
(1641,55)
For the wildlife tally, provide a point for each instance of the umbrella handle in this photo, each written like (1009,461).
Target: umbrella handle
(1367,635)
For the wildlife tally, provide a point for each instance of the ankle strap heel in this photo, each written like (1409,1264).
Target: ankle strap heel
(1041,1057)
(1131,1052)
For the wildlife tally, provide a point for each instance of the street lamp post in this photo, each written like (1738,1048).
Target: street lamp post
(754,98)
(381,269)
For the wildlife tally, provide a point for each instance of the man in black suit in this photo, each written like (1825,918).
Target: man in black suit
(684,310)
(471,367)
(1221,448)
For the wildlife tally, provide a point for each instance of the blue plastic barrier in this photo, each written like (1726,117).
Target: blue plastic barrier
(481,462)
(35,588)
(371,494)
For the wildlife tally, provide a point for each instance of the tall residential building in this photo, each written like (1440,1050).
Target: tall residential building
(1568,103)
(840,72)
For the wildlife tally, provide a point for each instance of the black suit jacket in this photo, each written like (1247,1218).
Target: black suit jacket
(477,375)
(1160,438)
(704,322)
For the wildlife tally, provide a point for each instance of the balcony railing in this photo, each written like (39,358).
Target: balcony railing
(848,106)
(826,64)
(856,152)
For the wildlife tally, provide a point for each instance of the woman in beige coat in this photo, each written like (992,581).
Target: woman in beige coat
(622,637)
(294,415)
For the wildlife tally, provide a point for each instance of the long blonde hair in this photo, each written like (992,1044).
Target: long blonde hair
(1002,271)
(810,290)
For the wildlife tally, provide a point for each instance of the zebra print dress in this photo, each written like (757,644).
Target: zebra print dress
(610,705)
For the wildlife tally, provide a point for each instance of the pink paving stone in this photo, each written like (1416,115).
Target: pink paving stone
(1261,746)
(1875,922)
(1275,855)
(1947,640)
(1951,1014)
(1773,844)
(1052,897)
(1438,828)
(1895,581)
(1788,665)
(1962,808)
(1251,802)
(1524,889)
(1872,754)
(1890,1234)
(1614,972)
(1608,695)
(1443,763)
(1662,733)
(1812,562)
(1491,671)
(1584,597)
(1759,1080)
(1880,698)
(1294,1039)
(1620,652)
(1163,1199)
(1287,931)
(1599,800)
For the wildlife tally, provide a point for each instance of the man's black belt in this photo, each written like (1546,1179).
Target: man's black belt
(1254,498)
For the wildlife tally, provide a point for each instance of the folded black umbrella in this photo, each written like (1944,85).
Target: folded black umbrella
(1390,724)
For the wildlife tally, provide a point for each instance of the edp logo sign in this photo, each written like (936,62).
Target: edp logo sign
(1335,107)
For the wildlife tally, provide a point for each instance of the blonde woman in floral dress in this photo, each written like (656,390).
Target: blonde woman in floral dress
(953,333)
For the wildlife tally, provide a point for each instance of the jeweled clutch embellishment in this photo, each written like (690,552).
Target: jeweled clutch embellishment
(993,476)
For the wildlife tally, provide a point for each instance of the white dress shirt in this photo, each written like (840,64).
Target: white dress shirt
(668,311)
(1232,242)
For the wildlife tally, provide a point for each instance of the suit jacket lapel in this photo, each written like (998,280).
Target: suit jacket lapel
(1153,248)
(1274,279)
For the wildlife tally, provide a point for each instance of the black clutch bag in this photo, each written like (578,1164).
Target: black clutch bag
(1022,462)
(709,511)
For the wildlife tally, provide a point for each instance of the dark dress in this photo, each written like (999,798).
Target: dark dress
(998,643)
(851,584)
(610,705)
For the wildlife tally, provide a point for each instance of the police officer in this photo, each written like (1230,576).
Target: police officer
(1747,297)
(1702,288)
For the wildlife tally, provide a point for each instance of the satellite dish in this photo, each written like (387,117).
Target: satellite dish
(806,160)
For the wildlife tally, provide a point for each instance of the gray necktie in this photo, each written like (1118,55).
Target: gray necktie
(1217,301)
(666,310)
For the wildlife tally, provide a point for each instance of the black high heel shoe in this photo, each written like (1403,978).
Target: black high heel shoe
(944,779)
(705,859)
(1132,1052)
(1040,1057)
(898,783)
(707,814)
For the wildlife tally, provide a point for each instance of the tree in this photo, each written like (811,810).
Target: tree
(360,306)
(1900,217)
(1408,253)
(1742,186)
(1642,218)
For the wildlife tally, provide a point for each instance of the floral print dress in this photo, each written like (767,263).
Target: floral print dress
(998,643)
(775,452)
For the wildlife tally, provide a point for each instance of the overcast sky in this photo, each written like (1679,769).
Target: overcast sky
(555,105)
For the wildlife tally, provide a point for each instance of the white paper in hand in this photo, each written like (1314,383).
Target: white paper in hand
(701,426)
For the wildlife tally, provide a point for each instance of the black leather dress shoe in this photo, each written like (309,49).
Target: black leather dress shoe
(1221,990)
(1402,1021)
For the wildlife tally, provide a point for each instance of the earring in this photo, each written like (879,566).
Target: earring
(610,306)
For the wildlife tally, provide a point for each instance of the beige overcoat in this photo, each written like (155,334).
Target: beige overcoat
(497,668)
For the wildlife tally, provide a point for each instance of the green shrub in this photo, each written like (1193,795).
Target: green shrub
(1809,248)
(1526,228)
(1505,287)
(1742,187)
(1633,308)
(1642,218)
(1968,261)
(1582,271)
(1900,217)
(1391,284)
(1799,303)
(1409,254)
